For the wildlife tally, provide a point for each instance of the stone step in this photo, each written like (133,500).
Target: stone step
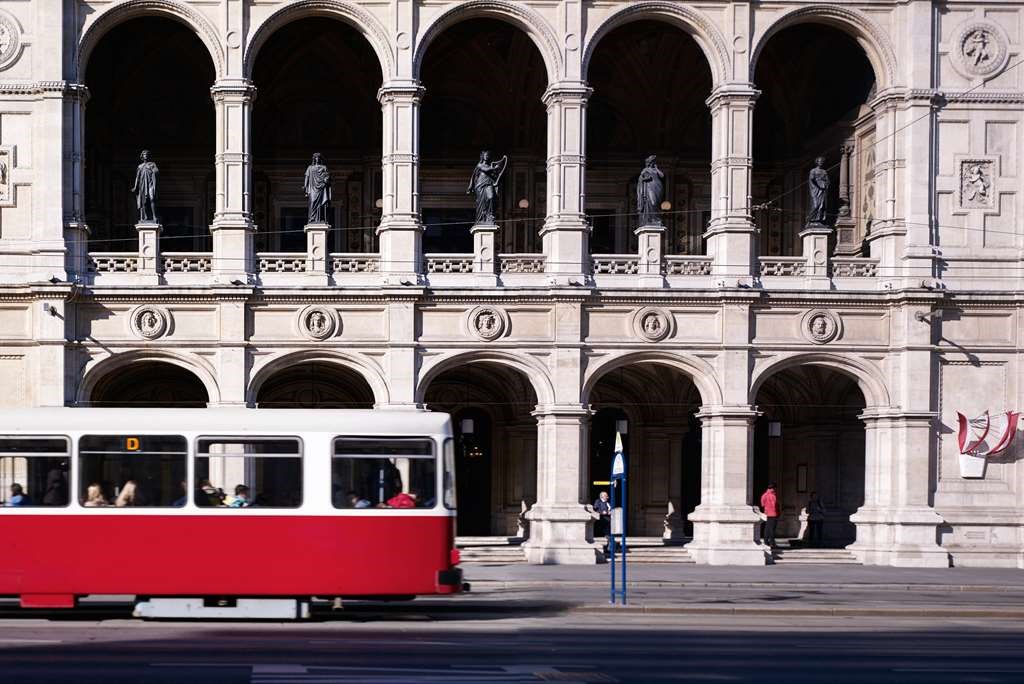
(814,556)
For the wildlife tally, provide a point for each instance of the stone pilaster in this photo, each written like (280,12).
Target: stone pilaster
(566,234)
(561,527)
(76,232)
(731,234)
(400,231)
(887,237)
(896,525)
(724,524)
(232,229)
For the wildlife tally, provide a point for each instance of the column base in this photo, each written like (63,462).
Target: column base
(559,536)
(725,535)
(904,538)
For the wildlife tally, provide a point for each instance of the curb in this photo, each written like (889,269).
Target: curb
(796,586)
(824,611)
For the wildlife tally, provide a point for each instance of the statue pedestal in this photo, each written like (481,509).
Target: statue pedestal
(316,253)
(150,264)
(649,246)
(485,258)
(815,246)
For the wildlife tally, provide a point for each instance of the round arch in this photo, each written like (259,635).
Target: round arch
(699,371)
(534,371)
(868,378)
(97,371)
(362,367)
(343,11)
(523,18)
(871,38)
(704,33)
(133,9)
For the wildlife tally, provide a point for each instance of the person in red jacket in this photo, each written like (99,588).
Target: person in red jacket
(770,506)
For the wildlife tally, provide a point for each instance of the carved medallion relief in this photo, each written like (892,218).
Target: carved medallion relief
(652,324)
(318,323)
(976,177)
(10,40)
(488,323)
(980,49)
(820,326)
(150,322)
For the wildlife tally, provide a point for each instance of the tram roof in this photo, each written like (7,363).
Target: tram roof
(237,420)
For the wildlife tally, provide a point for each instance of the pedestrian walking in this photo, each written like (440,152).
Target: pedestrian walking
(770,506)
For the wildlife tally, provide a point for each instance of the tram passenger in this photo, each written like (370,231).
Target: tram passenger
(180,501)
(94,496)
(241,499)
(208,495)
(403,500)
(129,495)
(56,488)
(356,501)
(18,496)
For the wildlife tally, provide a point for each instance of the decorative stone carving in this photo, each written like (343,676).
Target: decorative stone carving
(652,324)
(484,184)
(318,322)
(488,323)
(980,49)
(820,326)
(6,169)
(150,322)
(10,40)
(976,176)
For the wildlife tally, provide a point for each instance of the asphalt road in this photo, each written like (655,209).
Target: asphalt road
(514,640)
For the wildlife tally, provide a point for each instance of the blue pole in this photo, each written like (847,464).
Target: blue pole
(624,527)
(611,542)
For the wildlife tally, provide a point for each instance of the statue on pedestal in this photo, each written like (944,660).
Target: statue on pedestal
(650,192)
(484,183)
(318,189)
(818,182)
(145,188)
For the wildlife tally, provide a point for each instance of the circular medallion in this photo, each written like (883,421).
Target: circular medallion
(150,322)
(820,326)
(980,49)
(403,41)
(572,42)
(318,322)
(488,323)
(10,40)
(652,324)
(233,41)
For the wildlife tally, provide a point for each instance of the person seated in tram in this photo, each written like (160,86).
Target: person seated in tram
(207,495)
(129,495)
(18,496)
(403,500)
(242,498)
(56,488)
(94,496)
(180,501)
(356,501)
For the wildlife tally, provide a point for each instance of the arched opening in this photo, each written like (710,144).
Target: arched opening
(650,82)
(653,406)
(809,439)
(149,82)
(149,384)
(315,385)
(815,83)
(317,81)
(484,80)
(495,444)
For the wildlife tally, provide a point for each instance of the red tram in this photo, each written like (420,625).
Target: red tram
(225,512)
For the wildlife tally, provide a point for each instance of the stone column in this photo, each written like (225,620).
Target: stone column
(561,528)
(400,231)
(316,253)
(896,525)
(887,237)
(150,265)
(566,234)
(725,524)
(815,251)
(76,232)
(649,265)
(232,228)
(485,260)
(731,235)
(846,225)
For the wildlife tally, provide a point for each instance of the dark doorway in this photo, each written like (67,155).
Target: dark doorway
(150,384)
(473,458)
(602,448)
(315,385)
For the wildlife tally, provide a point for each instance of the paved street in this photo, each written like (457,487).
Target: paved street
(806,625)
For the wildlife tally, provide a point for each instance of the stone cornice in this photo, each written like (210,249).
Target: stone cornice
(38,88)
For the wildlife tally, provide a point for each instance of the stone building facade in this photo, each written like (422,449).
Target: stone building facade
(732,344)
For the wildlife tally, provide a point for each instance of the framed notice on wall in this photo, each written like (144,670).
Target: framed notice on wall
(801,478)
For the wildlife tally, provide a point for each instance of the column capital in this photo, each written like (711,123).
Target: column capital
(733,93)
(729,412)
(233,88)
(566,91)
(76,92)
(562,411)
(400,90)
(874,414)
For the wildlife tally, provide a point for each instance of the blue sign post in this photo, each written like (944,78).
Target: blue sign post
(618,516)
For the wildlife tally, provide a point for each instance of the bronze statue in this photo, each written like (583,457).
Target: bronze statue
(650,191)
(484,183)
(818,182)
(318,189)
(145,188)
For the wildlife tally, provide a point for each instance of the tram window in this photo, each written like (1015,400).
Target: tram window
(383,473)
(34,471)
(129,470)
(449,474)
(240,473)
